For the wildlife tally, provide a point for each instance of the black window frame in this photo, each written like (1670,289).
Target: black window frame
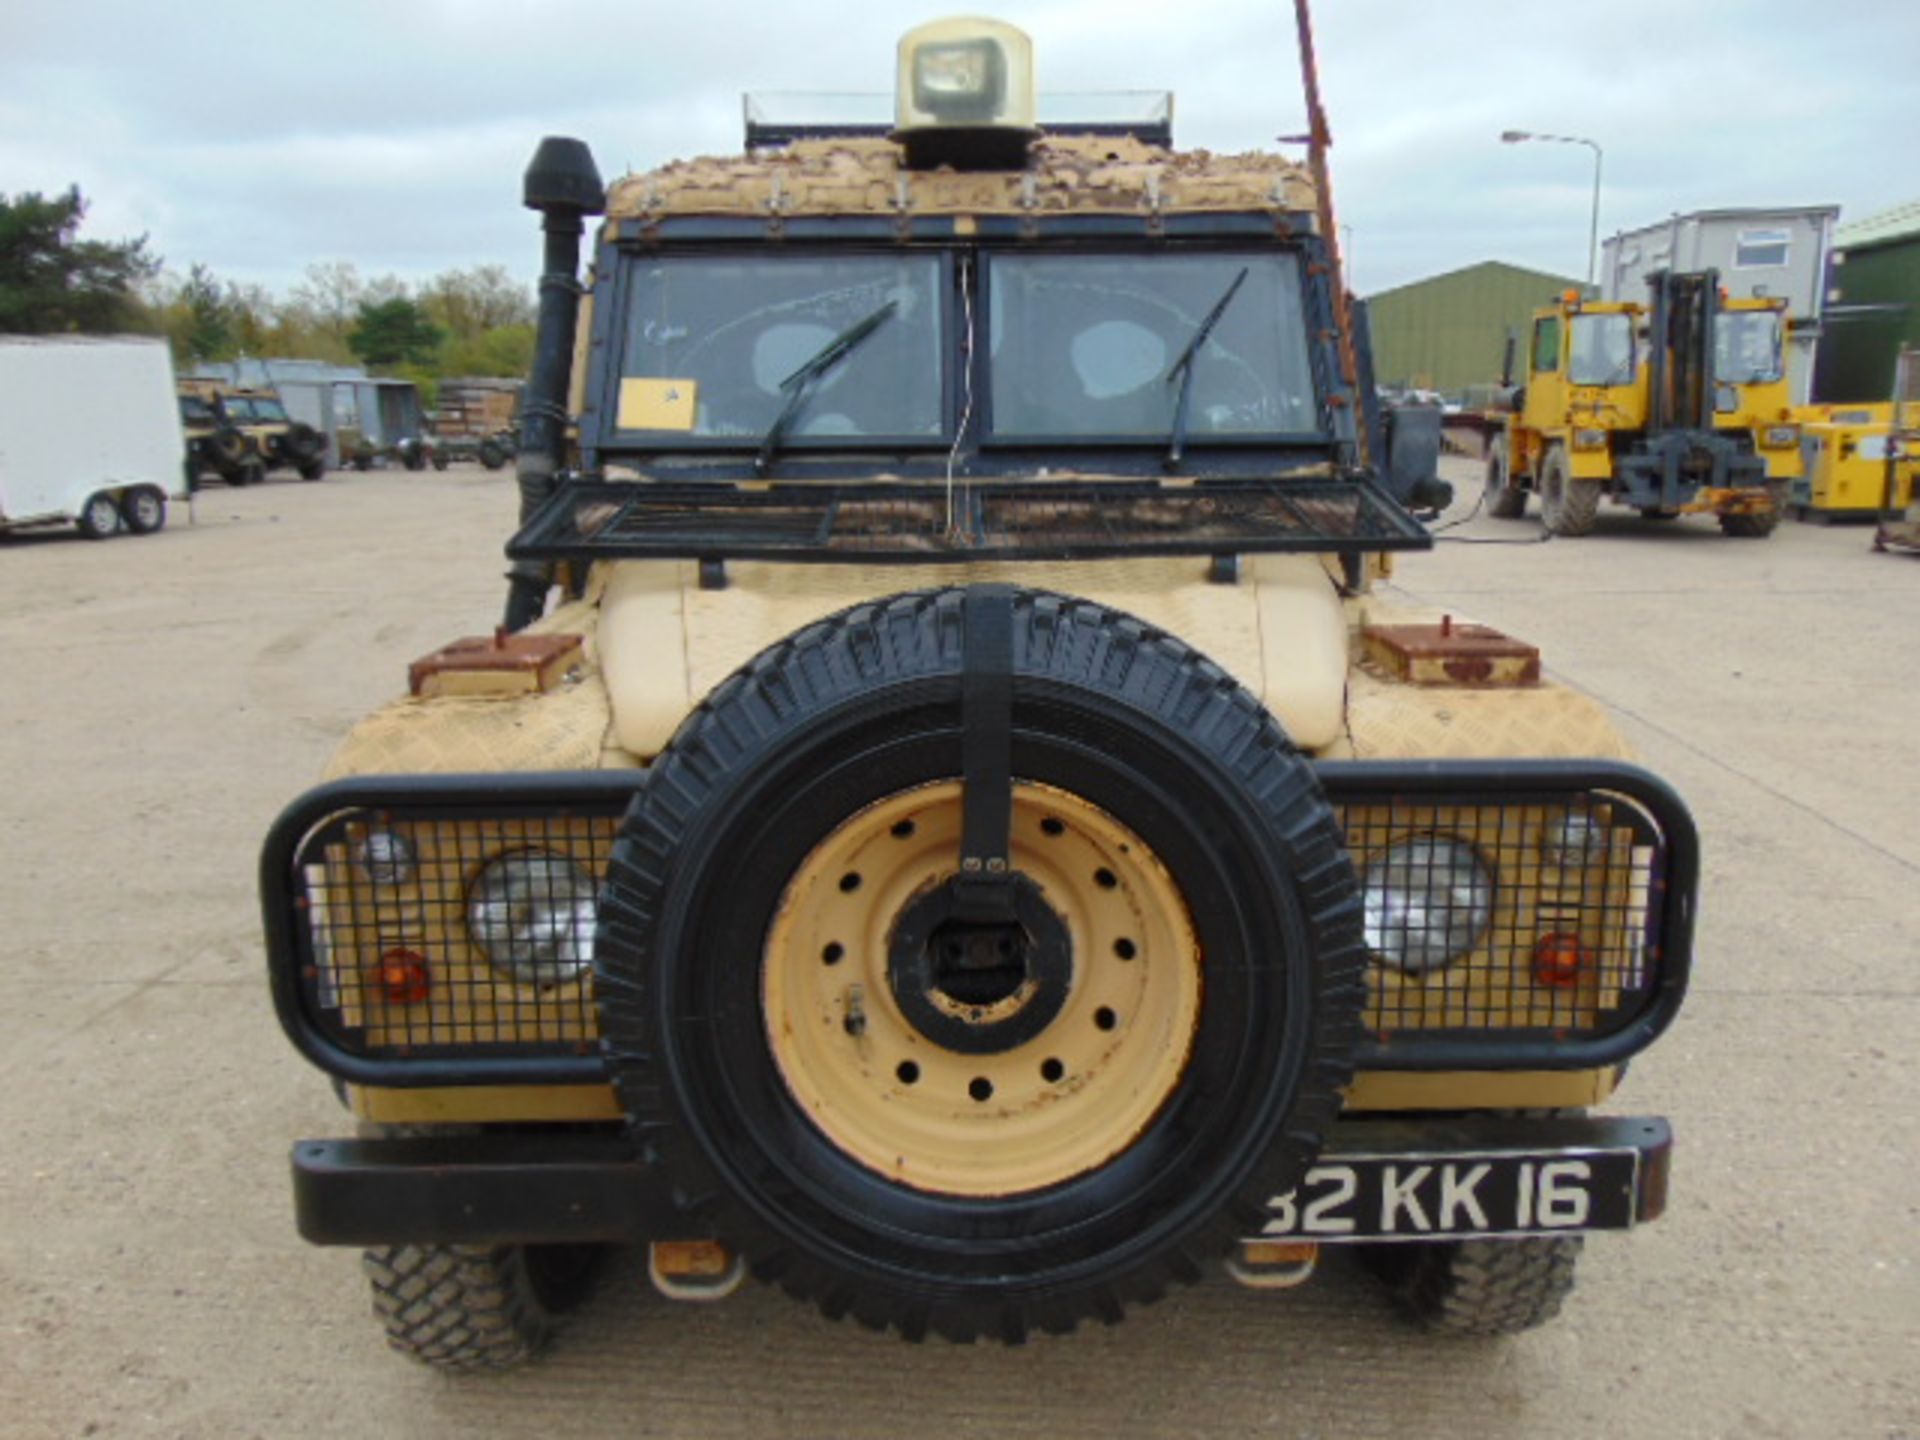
(988,440)
(965,241)
(613,294)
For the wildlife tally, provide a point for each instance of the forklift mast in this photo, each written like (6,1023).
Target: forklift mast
(1681,312)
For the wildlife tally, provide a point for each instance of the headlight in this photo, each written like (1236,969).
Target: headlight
(1780,435)
(532,915)
(1589,439)
(387,857)
(1573,840)
(1427,901)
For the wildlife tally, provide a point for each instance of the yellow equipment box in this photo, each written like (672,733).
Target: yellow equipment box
(1845,448)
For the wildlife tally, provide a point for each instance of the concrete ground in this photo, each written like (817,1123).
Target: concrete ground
(163,697)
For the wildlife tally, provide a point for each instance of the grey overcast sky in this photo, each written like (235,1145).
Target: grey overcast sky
(259,137)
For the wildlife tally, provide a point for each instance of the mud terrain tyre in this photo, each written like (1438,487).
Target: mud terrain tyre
(1480,1287)
(492,454)
(1567,506)
(852,728)
(475,1307)
(1505,500)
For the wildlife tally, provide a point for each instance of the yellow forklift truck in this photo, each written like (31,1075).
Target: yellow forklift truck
(1675,407)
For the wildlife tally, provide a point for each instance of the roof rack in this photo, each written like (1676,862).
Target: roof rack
(779,117)
(906,523)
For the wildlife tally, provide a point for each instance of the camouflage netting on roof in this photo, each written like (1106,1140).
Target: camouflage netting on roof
(858,176)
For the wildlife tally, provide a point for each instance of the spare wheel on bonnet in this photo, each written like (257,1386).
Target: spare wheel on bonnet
(978,961)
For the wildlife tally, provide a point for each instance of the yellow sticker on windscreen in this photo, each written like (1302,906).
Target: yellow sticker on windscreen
(651,404)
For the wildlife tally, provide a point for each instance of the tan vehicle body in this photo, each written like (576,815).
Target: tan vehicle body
(656,642)
(885,840)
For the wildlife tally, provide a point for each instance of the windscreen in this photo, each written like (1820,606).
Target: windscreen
(715,347)
(1746,347)
(1602,350)
(269,410)
(1088,346)
(239,409)
(195,411)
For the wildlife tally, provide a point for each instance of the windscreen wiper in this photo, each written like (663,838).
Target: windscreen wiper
(800,383)
(1183,367)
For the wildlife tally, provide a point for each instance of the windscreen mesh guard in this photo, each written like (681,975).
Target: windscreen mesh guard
(1518,914)
(901,523)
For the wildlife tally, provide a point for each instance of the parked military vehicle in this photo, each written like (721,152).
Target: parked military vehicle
(242,434)
(478,419)
(951,824)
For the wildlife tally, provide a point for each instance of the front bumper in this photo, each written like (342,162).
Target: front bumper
(1375,1180)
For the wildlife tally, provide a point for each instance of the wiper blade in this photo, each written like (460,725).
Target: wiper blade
(800,383)
(1183,367)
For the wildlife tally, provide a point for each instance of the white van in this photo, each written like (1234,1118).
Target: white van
(89,433)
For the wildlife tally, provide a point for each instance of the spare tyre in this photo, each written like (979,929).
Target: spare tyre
(303,443)
(228,448)
(947,1121)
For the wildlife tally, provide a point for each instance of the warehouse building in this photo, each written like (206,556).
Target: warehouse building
(1449,331)
(1779,252)
(1873,305)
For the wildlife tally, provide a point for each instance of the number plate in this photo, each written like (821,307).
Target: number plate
(1422,1197)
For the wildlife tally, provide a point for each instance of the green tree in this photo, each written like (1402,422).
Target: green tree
(51,281)
(209,316)
(394,332)
(505,351)
(469,303)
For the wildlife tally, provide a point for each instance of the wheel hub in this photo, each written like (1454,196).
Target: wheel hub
(980,986)
(981,1048)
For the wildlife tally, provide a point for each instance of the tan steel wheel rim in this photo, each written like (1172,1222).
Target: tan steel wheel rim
(1059,1104)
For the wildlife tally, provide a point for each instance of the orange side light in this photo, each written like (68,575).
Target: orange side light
(1559,959)
(402,976)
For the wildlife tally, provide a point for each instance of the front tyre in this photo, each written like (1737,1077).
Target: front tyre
(476,1307)
(1567,506)
(99,517)
(1480,1287)
(979,1129)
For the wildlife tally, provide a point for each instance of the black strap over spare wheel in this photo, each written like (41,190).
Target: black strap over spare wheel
(986,753)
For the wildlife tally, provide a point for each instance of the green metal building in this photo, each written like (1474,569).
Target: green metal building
(1873,305)
(1448,331)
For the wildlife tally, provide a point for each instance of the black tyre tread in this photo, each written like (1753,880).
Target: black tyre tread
(1505,500)
(1489,1287)
(913,636)
(458,1307)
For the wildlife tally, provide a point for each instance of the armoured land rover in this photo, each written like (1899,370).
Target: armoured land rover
(241,434)
(952,824)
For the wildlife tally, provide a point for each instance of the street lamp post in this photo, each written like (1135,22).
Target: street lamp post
(1514,137)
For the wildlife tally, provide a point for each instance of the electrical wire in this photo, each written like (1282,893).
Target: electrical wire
(1440,536)
(966,383)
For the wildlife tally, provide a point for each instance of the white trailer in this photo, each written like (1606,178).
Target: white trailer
(89,433)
